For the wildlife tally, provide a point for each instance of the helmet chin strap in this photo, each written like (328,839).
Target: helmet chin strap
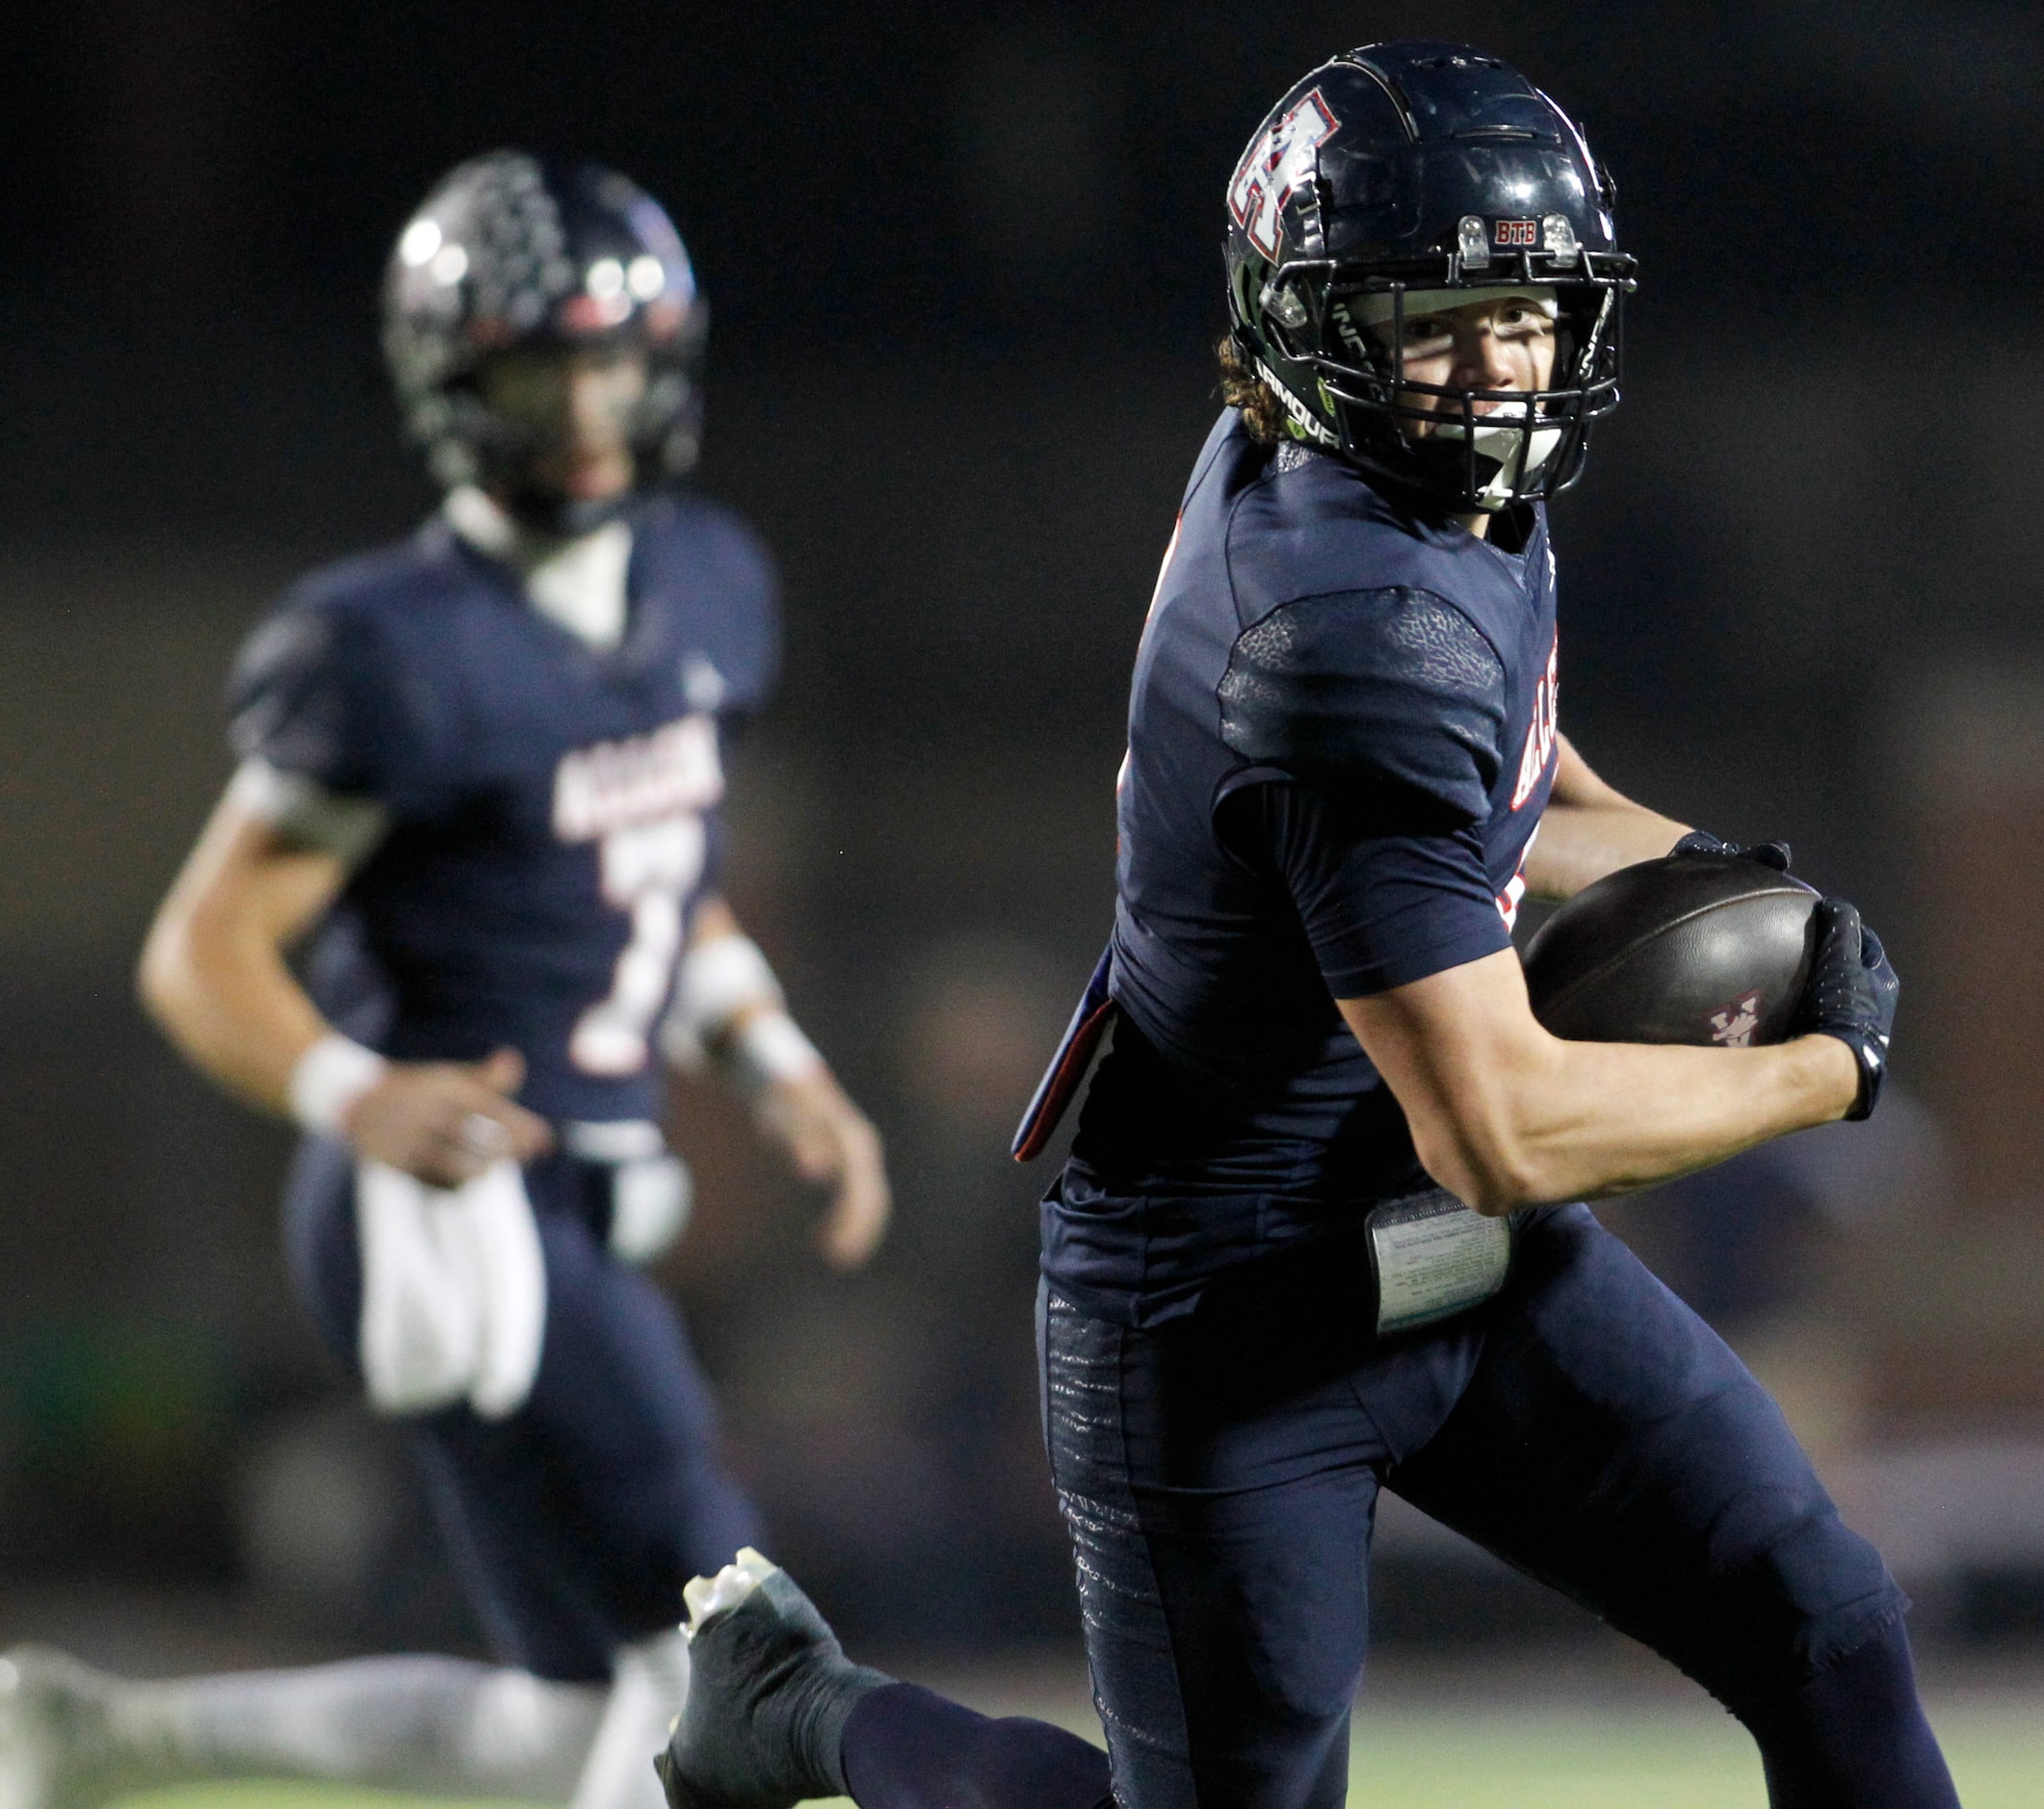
(501,459)
(564,517)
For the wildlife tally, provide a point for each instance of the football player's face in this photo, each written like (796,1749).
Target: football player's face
(577,407)
(1505,343)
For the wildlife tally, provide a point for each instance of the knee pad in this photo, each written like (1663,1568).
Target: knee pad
(1815,1596)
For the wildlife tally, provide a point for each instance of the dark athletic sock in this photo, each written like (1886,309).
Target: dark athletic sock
(907,1748)
(1854,1737)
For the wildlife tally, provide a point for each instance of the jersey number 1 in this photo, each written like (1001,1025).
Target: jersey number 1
(640,801)
(647,870)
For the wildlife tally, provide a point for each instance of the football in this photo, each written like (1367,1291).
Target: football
(1696,948)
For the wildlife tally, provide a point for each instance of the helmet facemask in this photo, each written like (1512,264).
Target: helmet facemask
(1333,347)
(504,450)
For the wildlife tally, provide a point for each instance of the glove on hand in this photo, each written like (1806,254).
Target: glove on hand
(1850,994)
(1774,855)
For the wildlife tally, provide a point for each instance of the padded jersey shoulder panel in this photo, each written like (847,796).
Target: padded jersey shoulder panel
(1388,687)
(723,568)
(322,685)
(278,708)
(313,667)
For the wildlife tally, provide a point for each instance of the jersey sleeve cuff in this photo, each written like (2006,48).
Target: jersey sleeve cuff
(1361,978)
(301,807)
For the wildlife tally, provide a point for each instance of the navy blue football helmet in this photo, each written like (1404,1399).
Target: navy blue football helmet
(509,253)
(1399,177)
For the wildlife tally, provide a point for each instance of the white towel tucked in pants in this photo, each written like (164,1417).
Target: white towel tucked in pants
(454,1291)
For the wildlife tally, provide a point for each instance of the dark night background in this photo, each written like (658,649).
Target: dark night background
(964,271)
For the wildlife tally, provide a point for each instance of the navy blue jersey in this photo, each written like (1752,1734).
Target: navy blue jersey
(1341,738)
(552,808)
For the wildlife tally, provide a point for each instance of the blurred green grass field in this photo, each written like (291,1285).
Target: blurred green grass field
(1644,1757)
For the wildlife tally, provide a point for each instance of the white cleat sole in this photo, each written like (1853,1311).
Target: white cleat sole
(707,1597)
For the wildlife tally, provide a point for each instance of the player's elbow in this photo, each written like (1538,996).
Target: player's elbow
(1491,1188)
(162,971)
(172,976)
(1486,1166)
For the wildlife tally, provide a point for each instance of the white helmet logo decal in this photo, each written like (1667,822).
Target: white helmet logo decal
(1274,167)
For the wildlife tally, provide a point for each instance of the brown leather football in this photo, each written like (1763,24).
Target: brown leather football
(1694,948)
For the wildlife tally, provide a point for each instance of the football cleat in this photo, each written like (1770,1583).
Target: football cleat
(770,1692)
(59,1747)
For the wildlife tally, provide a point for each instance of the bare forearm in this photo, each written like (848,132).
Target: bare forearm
(213,973)
(1608,1118)
(1591,828)
(796,1101)
(1578,844)
(1503,1115)
(231,1005)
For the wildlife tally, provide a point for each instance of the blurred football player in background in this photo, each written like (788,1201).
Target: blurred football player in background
(1321,1232)
(481,771)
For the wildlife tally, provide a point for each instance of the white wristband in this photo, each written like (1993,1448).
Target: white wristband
(328,1079)
(769,1048)
(717,980)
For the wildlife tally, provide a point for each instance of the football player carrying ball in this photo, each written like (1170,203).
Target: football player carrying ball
(1321,1233)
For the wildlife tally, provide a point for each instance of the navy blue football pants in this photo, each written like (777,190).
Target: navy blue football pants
(1219,1474)
(575,1521)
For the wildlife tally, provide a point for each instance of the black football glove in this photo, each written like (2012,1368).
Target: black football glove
(1850,994)
(1774,855)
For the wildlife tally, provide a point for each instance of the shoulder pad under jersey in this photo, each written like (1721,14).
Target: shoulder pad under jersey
(1390,686)
(318,689)
(286,698)
(734,576)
